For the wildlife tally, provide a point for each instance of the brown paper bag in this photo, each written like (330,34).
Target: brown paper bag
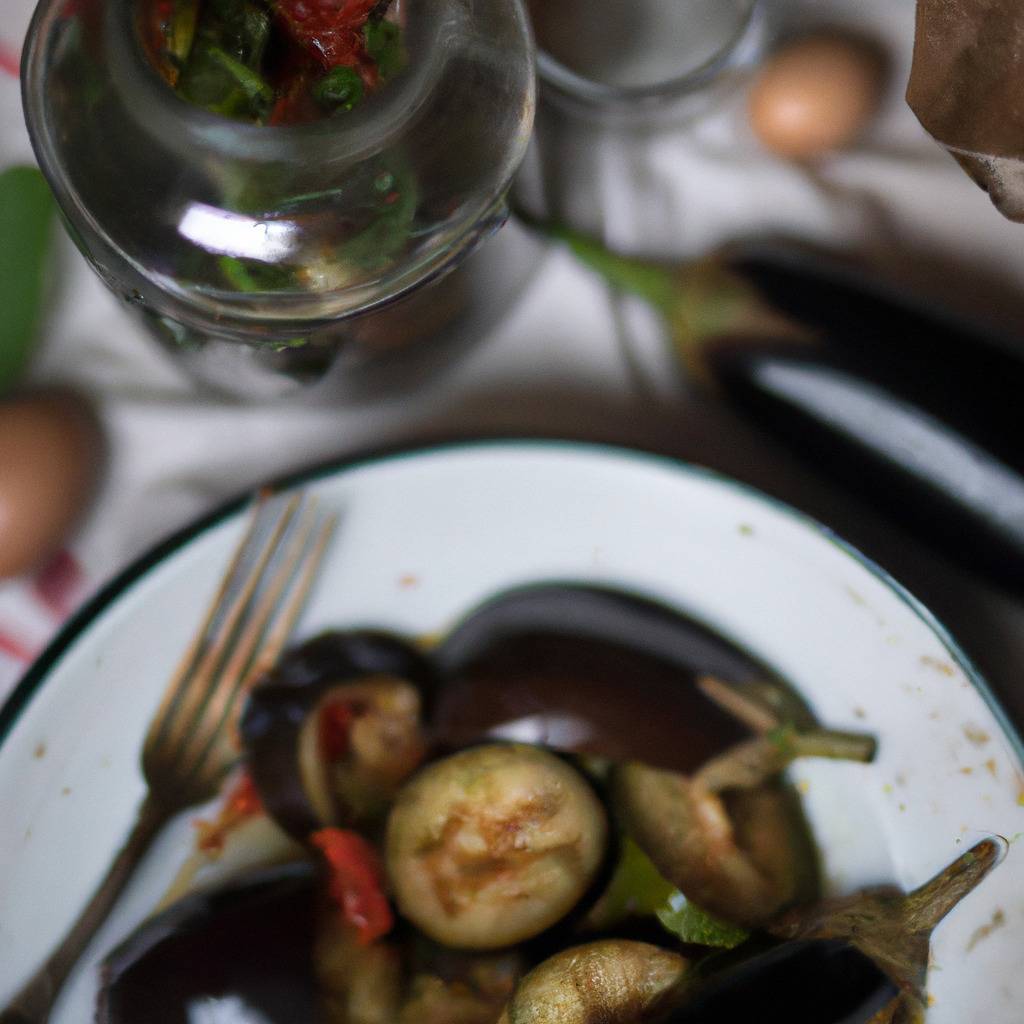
(967,90)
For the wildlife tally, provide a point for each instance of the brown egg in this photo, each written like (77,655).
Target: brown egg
(50,453)
(816,94)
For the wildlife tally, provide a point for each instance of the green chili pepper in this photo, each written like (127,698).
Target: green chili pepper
(341,88)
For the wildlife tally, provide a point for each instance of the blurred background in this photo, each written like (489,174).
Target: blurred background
(562,354)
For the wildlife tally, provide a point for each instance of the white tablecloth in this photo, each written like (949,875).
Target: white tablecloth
(556,364)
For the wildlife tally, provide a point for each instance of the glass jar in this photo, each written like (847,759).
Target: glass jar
(265,255)
(614,80)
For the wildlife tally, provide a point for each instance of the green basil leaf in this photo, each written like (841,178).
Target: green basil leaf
(637,889)
(26,244)
(691,924)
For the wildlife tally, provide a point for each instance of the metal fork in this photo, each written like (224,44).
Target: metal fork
(191,742)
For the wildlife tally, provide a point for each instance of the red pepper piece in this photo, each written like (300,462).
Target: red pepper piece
(331,30)
(335,725)
(356,881)
(241,803)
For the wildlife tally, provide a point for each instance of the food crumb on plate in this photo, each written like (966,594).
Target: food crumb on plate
(985,930)
(977,736)
(938,664)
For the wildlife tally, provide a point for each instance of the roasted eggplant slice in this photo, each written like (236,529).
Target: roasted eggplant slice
(579,668)
(332,731)
(243,953)
(615,981)
(493,845)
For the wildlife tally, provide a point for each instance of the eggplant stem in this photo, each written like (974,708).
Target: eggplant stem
(749,712)
(894,929)
(927,905)
(750,763)
(657,284)
(835,744)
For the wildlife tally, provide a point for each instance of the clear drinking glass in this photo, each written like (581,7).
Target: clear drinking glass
(264,255)
(605,58)
(612,77)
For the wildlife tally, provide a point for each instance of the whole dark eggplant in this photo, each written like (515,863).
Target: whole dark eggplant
(911,406)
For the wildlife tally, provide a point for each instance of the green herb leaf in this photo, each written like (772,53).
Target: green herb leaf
(691,924)
(222,73)
(390,224)
(26,229)
(340,88)
(384,46)
(637,889)
(250,82)
(250,276)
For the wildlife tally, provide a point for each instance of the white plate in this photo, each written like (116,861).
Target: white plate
(426,536)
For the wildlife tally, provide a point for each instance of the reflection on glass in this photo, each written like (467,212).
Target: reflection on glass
(232,234)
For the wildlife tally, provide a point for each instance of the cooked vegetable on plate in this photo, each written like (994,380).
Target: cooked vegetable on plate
(429,876)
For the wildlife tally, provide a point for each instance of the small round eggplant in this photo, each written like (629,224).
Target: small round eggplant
(579,668)
(249,943)
(615,981)
(382,683)
(493,845)
(742,855)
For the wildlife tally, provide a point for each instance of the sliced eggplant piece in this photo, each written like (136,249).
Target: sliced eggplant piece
(359,982)
(243,952)
(826,982)
(384,682)
(494,845)
(455,987)
(578,668)
(690,837)
(614,981)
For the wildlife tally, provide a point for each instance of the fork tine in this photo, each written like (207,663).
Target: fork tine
(231,674)
(223,740)
(188,660)
(195,691)
(278,635)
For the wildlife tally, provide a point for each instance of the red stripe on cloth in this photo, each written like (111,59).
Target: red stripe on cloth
(58,585)
(10,60)
(14,648)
